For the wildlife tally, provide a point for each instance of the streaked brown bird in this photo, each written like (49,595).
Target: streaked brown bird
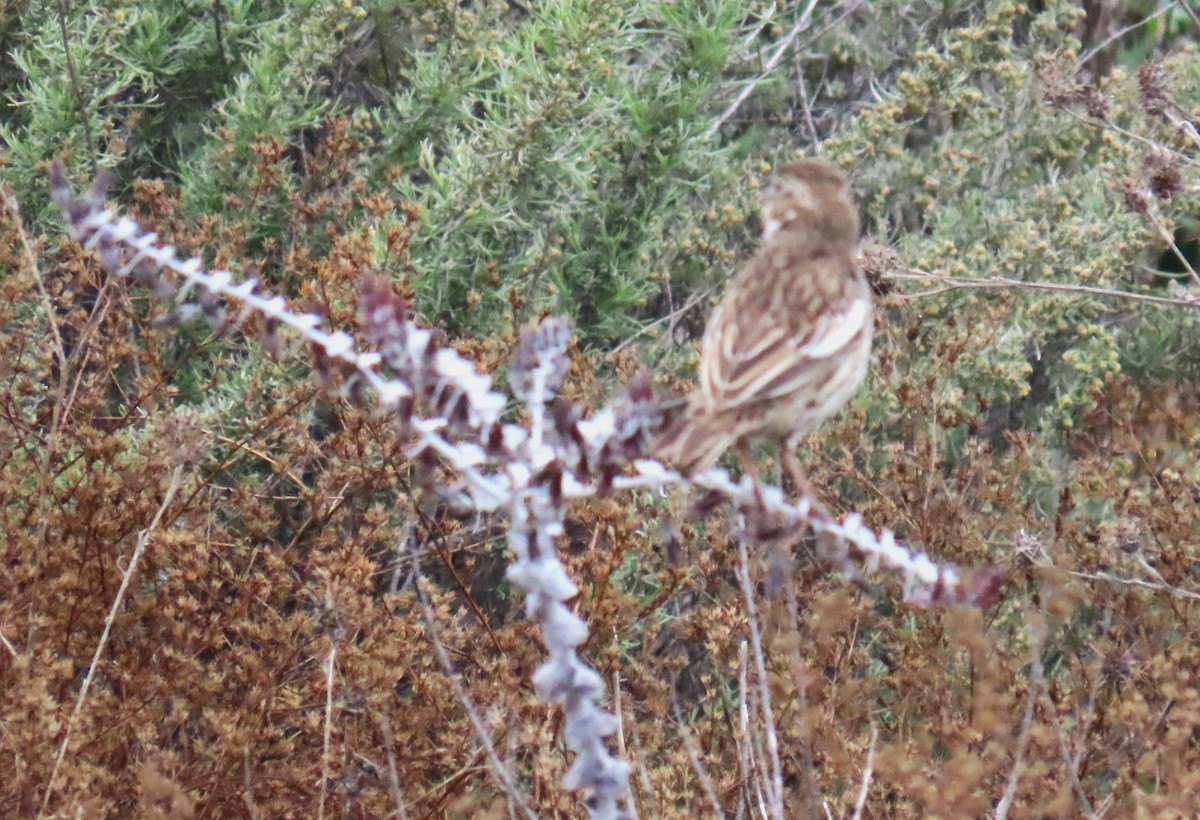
(790,340)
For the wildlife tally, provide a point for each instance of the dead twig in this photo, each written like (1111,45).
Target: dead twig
(143,540)
(801,25)
(1037,629)
(693,753)
(1138,582)
(950,283)
(868,772)
(495,764)
(775,790)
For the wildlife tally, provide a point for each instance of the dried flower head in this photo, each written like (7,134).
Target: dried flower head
(1153,91)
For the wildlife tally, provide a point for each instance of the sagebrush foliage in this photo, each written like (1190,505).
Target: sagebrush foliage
(503,161)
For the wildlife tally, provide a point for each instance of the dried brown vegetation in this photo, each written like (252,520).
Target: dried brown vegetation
(300,580)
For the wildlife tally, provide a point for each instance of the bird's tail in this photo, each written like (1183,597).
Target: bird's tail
(694,439)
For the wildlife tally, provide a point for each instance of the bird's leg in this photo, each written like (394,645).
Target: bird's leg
(748,468)
(827,544)
(803,485)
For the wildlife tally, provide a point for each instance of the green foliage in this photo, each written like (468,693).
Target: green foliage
(552,158)
(973,174)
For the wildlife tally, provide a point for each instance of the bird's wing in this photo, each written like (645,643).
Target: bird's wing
(751,361)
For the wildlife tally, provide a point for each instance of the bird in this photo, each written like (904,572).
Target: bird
(790,340)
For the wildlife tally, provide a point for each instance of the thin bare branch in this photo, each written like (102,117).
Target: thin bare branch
(495,764)
(775,791)
(1187,7)
(1138,582)
(1169,239)
(951,283)
(748,761)
(389,741)
(329,667)
(780,50)
(1037,631)
(1117,35)
(631,806)
(1105,125)
(868,772)
(127,576)
(1081,799)
(693,753)
(248,780)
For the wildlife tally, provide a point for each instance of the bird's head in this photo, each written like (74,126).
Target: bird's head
(811,196)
